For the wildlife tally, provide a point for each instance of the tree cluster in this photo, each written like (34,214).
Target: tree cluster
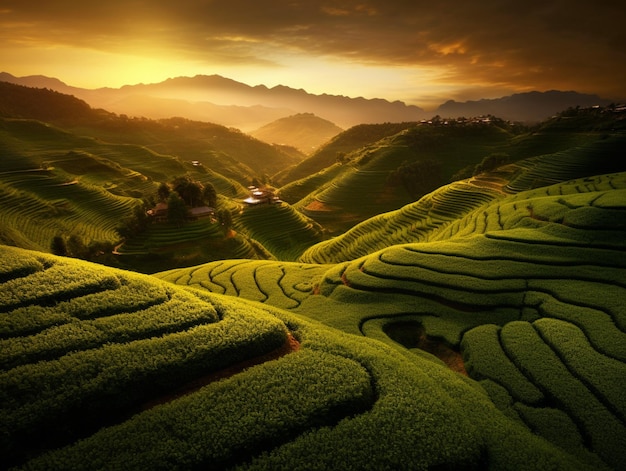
(75,247)
(418,178)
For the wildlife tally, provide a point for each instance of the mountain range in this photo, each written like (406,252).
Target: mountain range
(224,101)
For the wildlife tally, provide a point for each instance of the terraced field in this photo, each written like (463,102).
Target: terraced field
(54,182)
(106,369)
(360,188)
(480,327)
(529,289)
(427,218)
(39,205)
(283,231)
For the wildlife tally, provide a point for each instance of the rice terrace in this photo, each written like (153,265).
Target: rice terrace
(442,294)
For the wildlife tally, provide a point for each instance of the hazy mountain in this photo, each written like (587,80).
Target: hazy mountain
(221,100)
(531,106)
(304,131)
(228,152)
(241,117)
(211,93)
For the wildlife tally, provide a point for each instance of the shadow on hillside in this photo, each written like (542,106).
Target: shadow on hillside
(412,334)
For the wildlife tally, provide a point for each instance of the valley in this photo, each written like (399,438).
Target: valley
(454,284)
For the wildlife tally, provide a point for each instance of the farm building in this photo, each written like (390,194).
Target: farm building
(261,195)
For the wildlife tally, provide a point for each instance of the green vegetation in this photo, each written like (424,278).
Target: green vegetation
(550,258)
(283,231)
(480,325)
(309,408)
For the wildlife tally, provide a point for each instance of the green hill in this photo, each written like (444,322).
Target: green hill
(477,325)
(394,171)
(304,131)
(224,151)
(528,289)
(124,371)
(337,148)
(424,219)
(399,169)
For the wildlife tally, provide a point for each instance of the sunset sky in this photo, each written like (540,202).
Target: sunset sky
(416,51)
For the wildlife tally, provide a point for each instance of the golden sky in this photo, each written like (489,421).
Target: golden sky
(420,52)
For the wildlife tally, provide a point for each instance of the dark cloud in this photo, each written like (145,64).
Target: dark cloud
(532,44)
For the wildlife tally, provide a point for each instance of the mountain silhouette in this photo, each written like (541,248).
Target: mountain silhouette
(213,98)
(225,101)
(530,106)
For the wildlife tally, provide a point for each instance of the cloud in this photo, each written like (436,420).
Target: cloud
(504,43)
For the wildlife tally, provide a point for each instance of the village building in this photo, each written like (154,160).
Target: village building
(263,195)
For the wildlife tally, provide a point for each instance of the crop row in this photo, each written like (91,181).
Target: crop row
(280,284)
(178,313)
(409,224)
(52,285)
(41,211)
(128,297)
(271,403)
(598,157)
(113,378)
(565,368)
(282,230)
(163,234)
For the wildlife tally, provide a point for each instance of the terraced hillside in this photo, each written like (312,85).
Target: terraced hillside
(394,171)
(339,146)
(284,232)
(54,182)
(344,188)
(528,289)
(226,151)
(426,218)
(105,369)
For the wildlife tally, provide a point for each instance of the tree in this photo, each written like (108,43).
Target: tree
(163,192)
(58,246)
(76,247)
(491,162)
(418,178)
(176,209)
(190,191)
(209,194)
(226,219)
(133,225)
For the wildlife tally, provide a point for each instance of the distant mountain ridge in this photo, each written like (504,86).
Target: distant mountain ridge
(212,98)
(529,106)
(225,101)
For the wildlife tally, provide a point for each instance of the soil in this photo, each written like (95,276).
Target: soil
(441,350)
(411,334)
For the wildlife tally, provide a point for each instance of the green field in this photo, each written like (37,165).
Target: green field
(481,325)
(109,357)
(528,288)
